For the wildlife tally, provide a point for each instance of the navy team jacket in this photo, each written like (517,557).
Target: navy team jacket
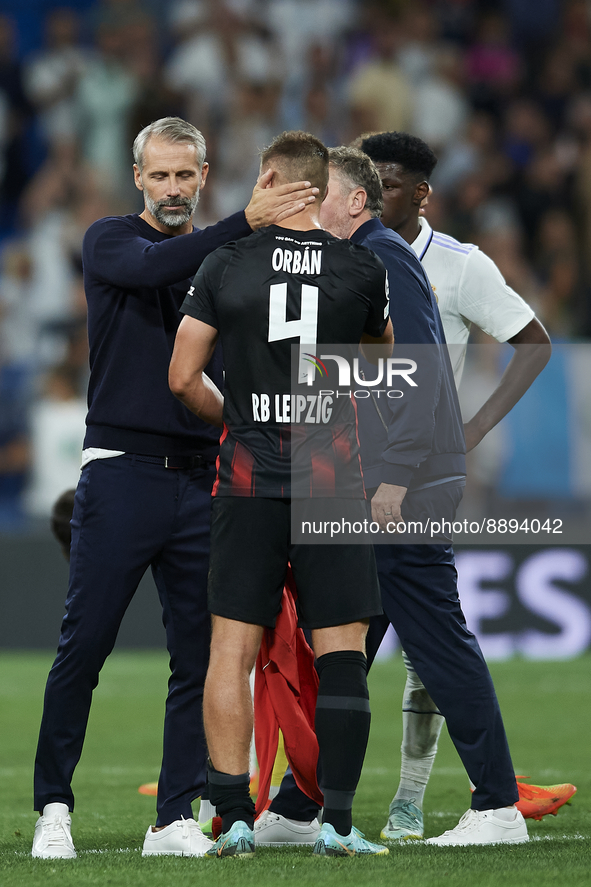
(136,279)
(424,435)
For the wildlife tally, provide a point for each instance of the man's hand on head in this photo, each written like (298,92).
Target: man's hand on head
(268,206)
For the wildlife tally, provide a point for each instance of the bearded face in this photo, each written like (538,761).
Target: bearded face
(172,211)
(171,179)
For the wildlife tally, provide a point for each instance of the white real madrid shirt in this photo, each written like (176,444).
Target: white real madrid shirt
(469,289)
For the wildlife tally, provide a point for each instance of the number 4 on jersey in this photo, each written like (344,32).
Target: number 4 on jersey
(304,329)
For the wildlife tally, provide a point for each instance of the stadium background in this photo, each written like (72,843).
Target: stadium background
(501,90)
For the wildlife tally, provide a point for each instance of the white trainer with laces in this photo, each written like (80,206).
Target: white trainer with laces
(274,830)
(181,838)
(53,839)
(484,827)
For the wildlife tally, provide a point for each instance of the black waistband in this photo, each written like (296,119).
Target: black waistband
(108,437)
(178,463)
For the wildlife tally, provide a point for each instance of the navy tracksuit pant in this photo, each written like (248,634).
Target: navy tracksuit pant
(130,514)
(420,599)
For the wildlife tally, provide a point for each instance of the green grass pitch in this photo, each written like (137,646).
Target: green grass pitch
(548,719)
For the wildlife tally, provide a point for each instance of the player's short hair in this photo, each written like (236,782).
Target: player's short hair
(170,129)
(357,170)
(299,156)
(61,515)
(411,153)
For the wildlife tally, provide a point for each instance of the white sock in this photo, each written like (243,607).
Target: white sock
(421,727)
(206,810)
(506,814)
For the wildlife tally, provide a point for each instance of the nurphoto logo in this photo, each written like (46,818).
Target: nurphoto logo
(393,366)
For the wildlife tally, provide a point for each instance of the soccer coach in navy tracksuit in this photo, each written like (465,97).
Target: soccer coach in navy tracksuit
(413,456)
(144,494)
(420,457)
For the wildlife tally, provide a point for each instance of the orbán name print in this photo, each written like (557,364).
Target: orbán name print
(297,262)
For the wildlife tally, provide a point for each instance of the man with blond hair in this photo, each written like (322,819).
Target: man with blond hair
(144,494)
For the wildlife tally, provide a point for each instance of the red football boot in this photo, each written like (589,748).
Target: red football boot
(536,801)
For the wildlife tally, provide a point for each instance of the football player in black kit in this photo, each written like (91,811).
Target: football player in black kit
(290,283)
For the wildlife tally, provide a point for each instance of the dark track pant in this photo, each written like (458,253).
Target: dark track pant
(130,514)
(420,599)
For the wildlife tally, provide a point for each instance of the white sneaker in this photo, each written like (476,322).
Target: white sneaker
(53,839)
(274,830)
(483,827)
(181,838)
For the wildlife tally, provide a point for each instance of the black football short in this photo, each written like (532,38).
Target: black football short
(250,551)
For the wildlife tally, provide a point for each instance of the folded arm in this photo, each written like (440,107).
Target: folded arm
(532,353)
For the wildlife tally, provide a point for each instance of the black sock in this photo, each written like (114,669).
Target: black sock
(342,726)
(230,795)
(292,802)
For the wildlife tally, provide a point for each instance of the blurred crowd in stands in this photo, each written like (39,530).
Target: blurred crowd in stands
(501,89)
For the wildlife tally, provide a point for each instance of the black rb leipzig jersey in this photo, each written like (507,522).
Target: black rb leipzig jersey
(265,294)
